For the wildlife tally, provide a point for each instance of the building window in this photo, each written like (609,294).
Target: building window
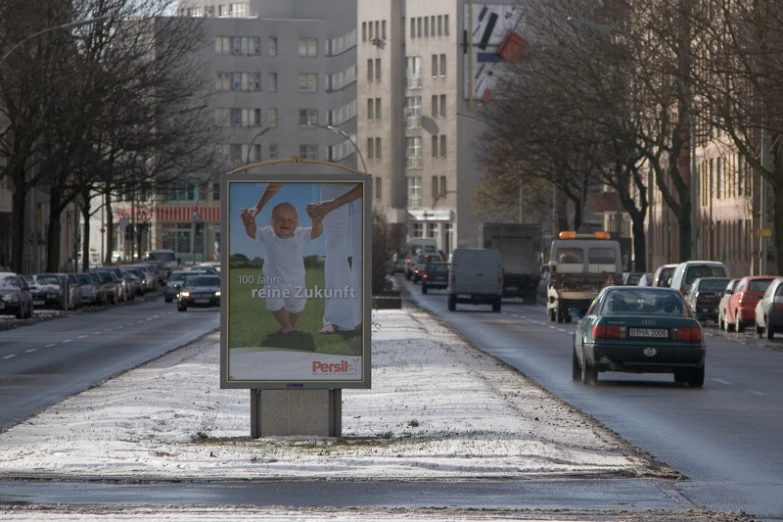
(446,25)
(251,154)
(222,45)
(418,27)
(443,190)
(308,151)
(413,111)
(222,117)
(413,72)
(426,26)
(308,117)
(273,151)
(443,105)
(440,25)
(377,69)
(222,10)
(417,230)
(414,192)
(272,117)
(308,82)
(442,145)
(377,108)
(434,146)
(370,109)
(369,70)
(434,186)
(271,46)
(237,10)
(308,47)
(413,28)
(245,45)
(180,192)
(370,148)
(443,65)
(272,80)
(448,232)
(413,152)
(364,31)
(377,148)
(216,192)
(223,82)
(434,105)
(372,35)
(432,230)
(378,188)
(383,29)
(718,193)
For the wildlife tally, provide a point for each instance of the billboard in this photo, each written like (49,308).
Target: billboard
(295,268)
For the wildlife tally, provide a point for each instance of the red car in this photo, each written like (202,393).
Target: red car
(741,308)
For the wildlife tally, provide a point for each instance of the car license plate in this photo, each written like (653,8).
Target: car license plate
(38,303)
(649,332)
(202,301)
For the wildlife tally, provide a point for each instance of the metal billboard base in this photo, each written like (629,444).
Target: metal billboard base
(277,413)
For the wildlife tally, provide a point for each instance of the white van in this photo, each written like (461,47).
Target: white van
(688,272)
(415,248)
(476,277)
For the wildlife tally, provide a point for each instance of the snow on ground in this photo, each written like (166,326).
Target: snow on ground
(438,408)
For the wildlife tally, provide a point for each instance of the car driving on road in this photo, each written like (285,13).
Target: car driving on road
(639,330)
(436,275)
(202,290)
(703,296)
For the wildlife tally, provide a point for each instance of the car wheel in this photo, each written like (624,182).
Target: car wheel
(181,308)
(168,299)
(738,326)
(551,315)
(696,377)
(496,306)
(759,331)
(567,318)
(452,302)
(423,288)
(559,316)
(589,373)
(721,323)
(576,370)
(770,332)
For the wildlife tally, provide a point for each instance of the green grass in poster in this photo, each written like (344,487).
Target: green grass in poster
(252,327)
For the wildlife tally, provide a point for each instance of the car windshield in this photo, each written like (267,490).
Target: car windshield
(47,280)
(7,282)
(83,279)
(437,265)
(177,276)
(759,285)
(164,257)
(666,275)
(203,281)
(713,285)
(700,271)
(643,302)
(634,279)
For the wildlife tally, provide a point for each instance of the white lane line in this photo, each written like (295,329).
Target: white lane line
(82,337)
(720,380)
(67,341)
(97,333)
(553,327)
(564,331)
(31,350)
(50,345)
(754,392)
(10,356)
(120,327)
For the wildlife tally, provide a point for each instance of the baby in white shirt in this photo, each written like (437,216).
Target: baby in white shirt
(284,268)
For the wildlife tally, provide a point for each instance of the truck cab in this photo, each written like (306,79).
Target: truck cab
(580,265)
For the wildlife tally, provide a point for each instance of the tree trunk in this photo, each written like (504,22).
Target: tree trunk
(578,214)
(687,234)
(562,213)
(55,229)
(639,243)
(85,207)
(109,231)
(17,224)
(777,221)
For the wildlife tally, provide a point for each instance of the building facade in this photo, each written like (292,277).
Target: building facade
(284,72)
(420,83)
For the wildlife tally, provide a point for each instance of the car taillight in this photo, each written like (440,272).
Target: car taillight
(607,331)
(424,276)
(408,261)
(689,334)
(415,270)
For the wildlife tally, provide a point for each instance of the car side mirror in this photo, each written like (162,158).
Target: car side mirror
(728,292)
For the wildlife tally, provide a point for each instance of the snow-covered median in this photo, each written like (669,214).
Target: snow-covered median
(438,408)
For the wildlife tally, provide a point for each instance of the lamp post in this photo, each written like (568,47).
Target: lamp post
(252,142)
(345,135)
(63,27)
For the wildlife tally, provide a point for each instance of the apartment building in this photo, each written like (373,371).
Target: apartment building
(420,80)
(283,70)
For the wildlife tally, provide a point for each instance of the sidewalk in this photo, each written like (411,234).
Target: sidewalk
(438,409)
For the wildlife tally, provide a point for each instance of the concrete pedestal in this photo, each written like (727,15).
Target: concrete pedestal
(295,412)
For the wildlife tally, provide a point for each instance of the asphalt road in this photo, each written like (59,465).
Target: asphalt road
(43,363)
(727,438)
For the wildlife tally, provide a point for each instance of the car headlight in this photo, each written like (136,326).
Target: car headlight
(15,298)
(217,294)
(184,294)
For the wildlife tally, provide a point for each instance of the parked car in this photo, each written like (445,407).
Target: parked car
(688,272)
(724,303)
(703,296)
(100,289)
(201,290)
(421,264)
(639,330)
(663,276)
(15,296)
(108,286)
(645,280)
(436,275)
(398,264)
(741,306)
(476,277)
(117,294)
(175,282)
(48,291)
(769,310)
(167,258)
(89,292)
(631,278)
(139,281)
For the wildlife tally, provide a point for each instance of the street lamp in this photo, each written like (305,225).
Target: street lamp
(63,27)
(345,135)
(250,147)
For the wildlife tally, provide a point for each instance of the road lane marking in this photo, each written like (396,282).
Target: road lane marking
(97,333)
(31,350)
(10,356)
(83,337)
(757,392)
(720,380)
(565,331)
(50,345)
(67,341)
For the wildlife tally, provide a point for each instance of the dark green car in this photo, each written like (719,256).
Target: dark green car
(639,330)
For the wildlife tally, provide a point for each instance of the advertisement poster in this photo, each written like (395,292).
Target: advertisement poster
(295,260)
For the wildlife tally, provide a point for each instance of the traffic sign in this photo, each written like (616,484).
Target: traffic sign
(764,232)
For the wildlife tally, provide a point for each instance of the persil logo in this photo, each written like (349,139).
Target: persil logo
(340,367)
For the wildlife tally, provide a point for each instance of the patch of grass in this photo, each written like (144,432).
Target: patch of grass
(413,423)
(388,435)
(251,325)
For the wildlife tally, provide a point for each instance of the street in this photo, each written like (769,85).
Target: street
(724,438)
(45,362)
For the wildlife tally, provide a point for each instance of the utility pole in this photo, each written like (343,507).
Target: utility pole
(763,189)
(694,193)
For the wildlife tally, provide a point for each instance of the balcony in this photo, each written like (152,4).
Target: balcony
(413,162)
(413,82)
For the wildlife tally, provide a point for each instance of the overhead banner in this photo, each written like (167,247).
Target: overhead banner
(296,261)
